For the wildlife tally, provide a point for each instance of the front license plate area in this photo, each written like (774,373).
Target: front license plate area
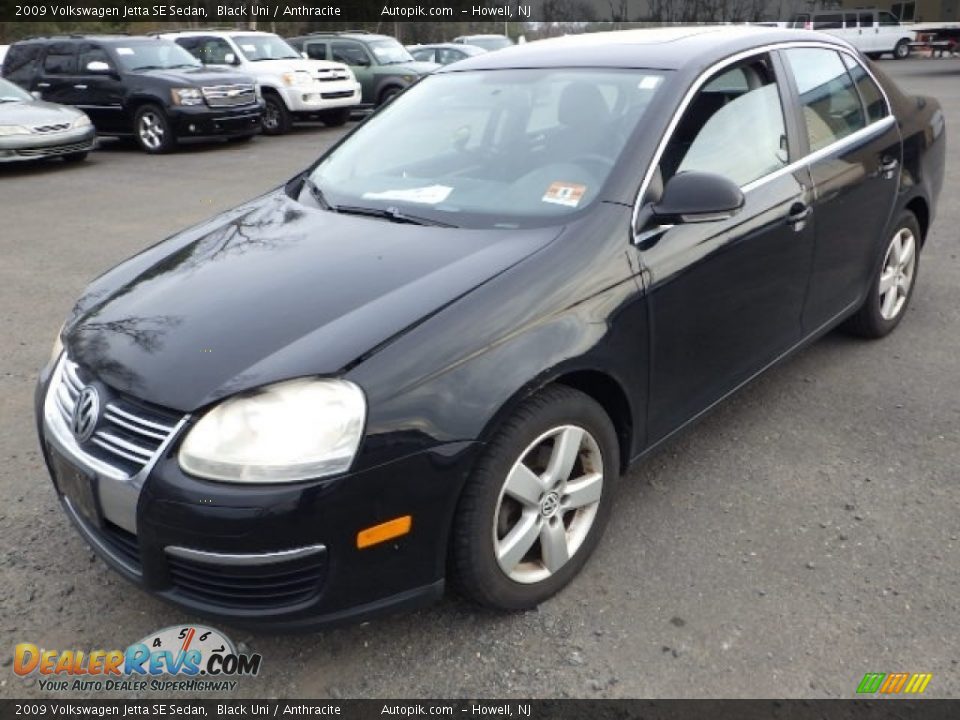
(78,486)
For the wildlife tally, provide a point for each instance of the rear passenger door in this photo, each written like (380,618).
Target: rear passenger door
(854,157)
(58,74)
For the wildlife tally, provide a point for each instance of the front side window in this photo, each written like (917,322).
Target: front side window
(317,51)
(504,148)
(830,102)
(213,51)
(888,19)
(93,54)
(349,53)
(828,21)
(733,127)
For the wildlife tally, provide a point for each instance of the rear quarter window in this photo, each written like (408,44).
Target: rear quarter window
(22,63)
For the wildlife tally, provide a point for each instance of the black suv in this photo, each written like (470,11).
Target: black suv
(151,89)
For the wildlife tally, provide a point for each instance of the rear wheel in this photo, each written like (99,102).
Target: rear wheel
(536,505)
(276,118)
(902,50)
(893,284)
(152,130)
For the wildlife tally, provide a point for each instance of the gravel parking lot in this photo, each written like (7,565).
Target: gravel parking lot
(801,535)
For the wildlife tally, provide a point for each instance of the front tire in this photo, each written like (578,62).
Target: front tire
(276,118)
(893,284)
(389,94)
(152,130)
(902,50)
(535,507)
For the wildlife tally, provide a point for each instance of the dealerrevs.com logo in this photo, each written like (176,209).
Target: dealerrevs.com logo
(188,658)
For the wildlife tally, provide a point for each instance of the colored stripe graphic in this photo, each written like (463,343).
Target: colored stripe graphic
(894,683)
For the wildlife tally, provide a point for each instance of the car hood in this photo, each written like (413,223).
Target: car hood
(274,290)
(204,75)
(36,112)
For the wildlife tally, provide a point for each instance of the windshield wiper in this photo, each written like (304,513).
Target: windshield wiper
(317,194)
(392,214)
(183,65)
(146,67)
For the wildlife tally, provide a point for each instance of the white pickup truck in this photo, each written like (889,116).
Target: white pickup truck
(293,87)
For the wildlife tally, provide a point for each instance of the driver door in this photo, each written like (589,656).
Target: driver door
(726,296)
(356,56)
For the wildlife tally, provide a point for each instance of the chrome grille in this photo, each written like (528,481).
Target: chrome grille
(128,434)
(84,146)
(331,75)
(59,127)
(229,95)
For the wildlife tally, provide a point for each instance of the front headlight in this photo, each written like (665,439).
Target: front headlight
(294,430)
(13,130)
(81,121)
(187,96)
(298,78)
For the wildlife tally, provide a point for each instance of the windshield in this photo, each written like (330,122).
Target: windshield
(265,47)
(389,52)
(11,93)
(505,148)
(489,43)
(154,55)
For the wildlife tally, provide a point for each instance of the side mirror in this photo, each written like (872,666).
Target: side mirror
(98,67)
(304,56)
(363,62)
(692,197)
(230,59)
(37,95)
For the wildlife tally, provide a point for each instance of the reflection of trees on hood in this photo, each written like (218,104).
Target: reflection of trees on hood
(91,343)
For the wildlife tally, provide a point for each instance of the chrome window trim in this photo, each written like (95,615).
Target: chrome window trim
(743,55)
(234,559)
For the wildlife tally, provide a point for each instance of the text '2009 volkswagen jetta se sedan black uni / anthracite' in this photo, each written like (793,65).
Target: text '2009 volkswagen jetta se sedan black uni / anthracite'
(431,356)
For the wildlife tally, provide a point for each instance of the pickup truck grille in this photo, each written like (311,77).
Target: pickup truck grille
(333,75)
(229,95)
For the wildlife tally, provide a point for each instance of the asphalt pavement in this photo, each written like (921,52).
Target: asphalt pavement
(801,535)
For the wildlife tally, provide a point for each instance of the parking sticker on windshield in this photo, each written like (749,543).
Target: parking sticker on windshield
(562,193)
(428,195)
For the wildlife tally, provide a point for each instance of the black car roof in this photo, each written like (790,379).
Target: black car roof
(655,48)
(103,39)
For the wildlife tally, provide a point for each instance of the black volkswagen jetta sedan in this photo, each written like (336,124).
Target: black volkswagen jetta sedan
(431,356)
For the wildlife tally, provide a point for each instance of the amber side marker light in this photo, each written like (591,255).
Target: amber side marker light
(384,531)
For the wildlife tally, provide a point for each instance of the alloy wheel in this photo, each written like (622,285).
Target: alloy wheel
(271,117)
(896,277)
(151,130)
(548,504)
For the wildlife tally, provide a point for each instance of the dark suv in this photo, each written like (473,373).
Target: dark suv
(382,65)
(147,88)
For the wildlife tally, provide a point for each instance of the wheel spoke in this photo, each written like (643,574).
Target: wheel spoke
(553,544)
(583,491)
(889,302)
(906,251)
(518,541)
(896,249)
(887,280)
(524,485)
(564,454)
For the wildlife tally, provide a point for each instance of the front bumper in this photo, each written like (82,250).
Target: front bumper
(203,121)
(322,96)
(16,148)
(284,556)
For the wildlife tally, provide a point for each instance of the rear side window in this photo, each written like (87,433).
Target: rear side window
(61,59)
(831,104)
(22,63)
(870,93)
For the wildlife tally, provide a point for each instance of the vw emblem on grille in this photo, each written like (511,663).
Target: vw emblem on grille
(85,414)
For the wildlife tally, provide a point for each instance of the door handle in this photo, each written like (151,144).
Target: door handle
(888,167)
(799,214)
(43,84)
(80,87)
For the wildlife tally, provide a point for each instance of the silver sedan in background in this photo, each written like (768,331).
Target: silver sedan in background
(32,129)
